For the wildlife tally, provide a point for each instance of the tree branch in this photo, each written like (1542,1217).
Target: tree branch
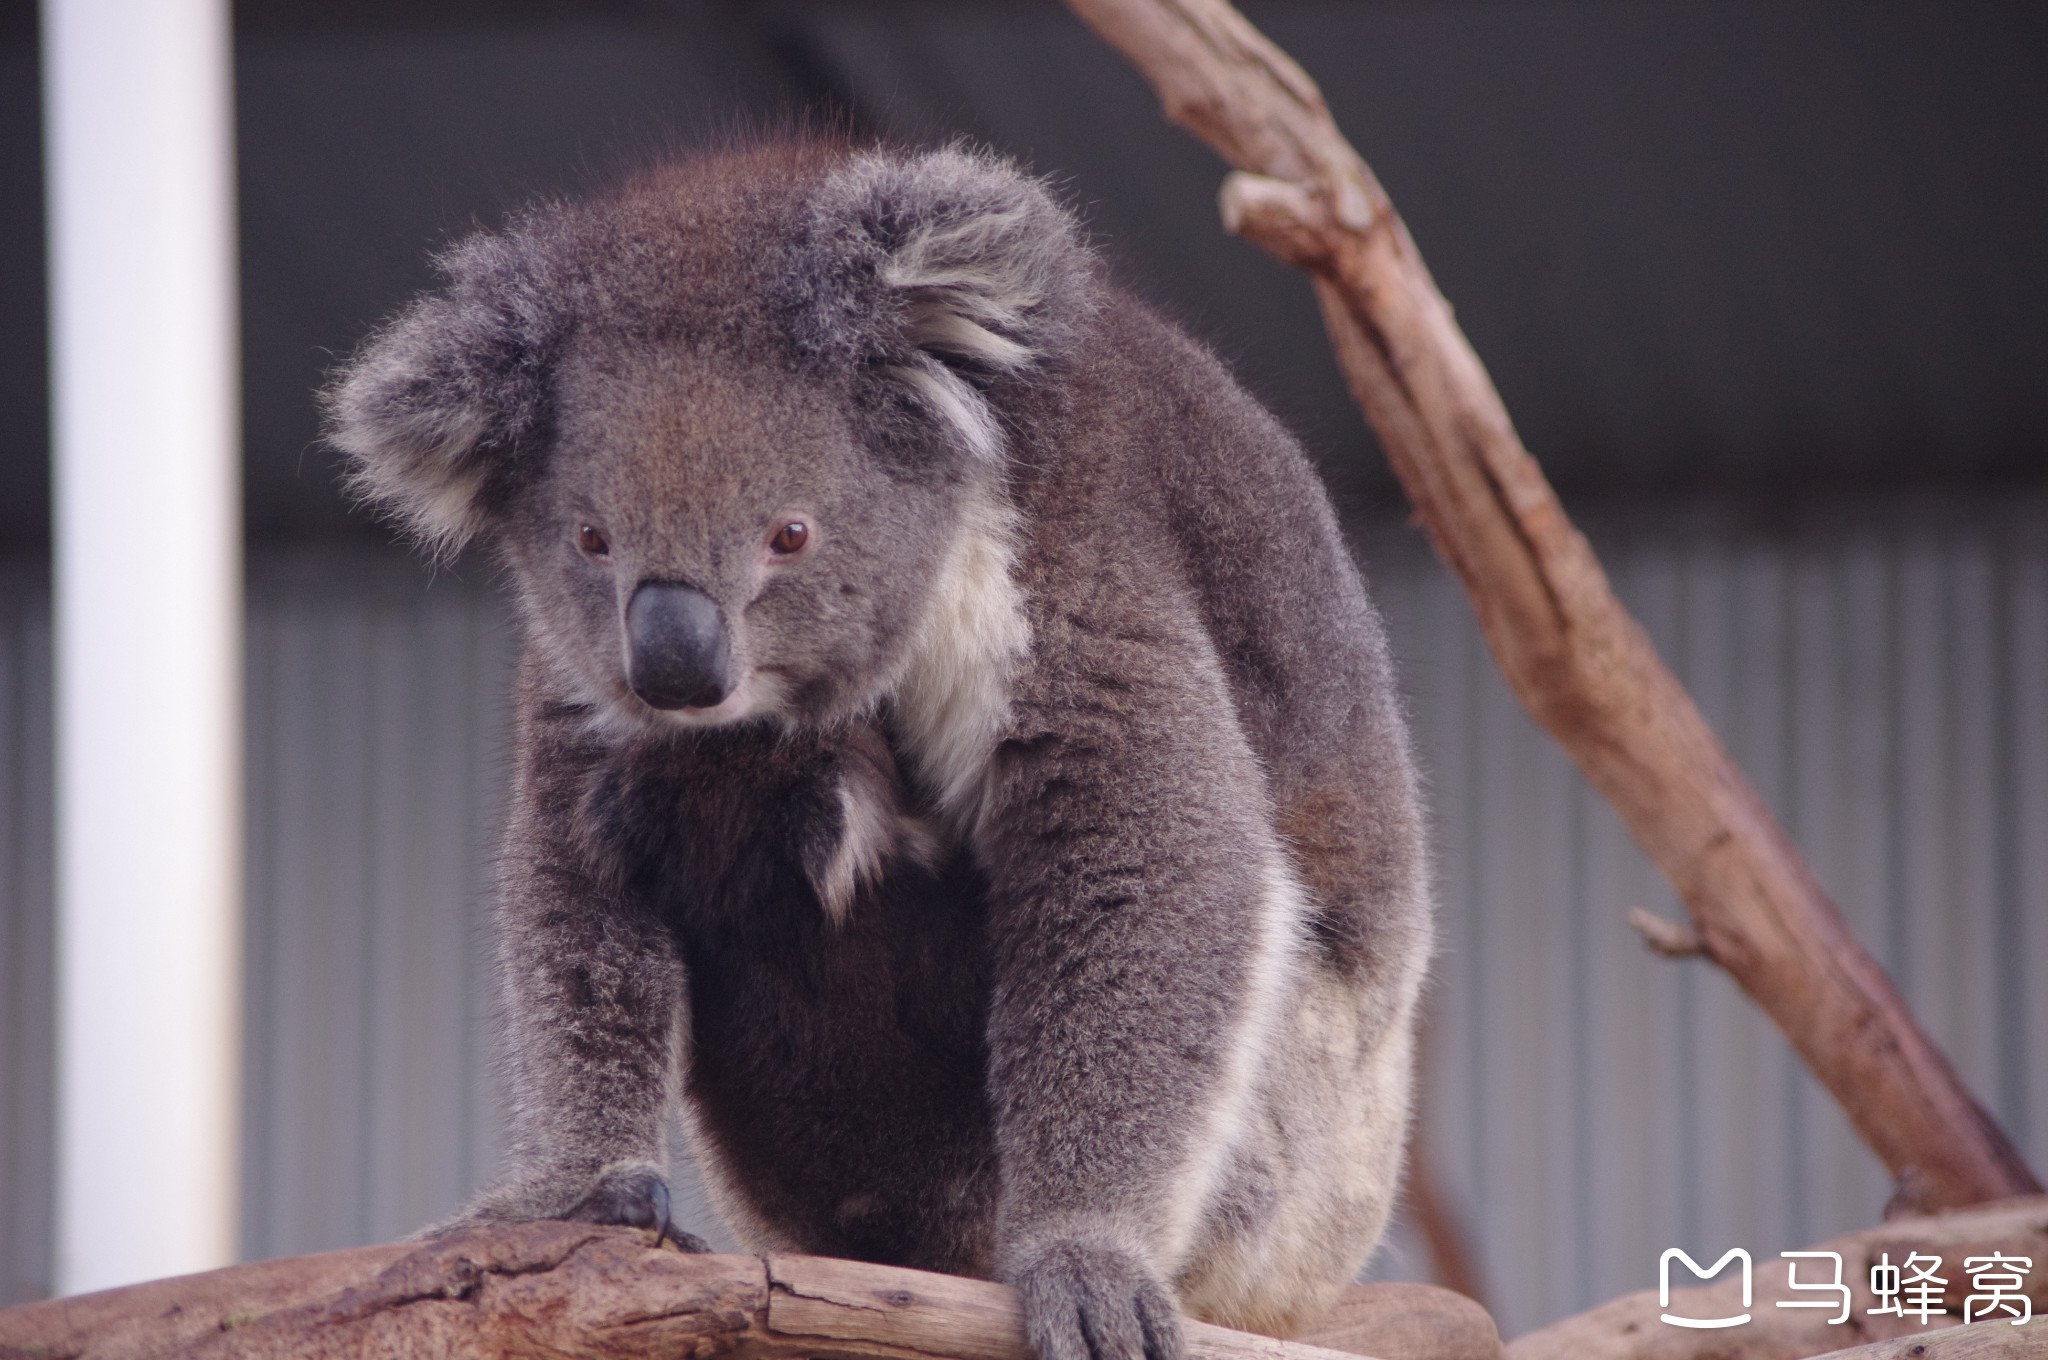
(1578,661)
(1953,1343)
(596,1293)
(1664,937)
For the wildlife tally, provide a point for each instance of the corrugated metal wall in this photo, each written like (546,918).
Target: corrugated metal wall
(377,703)
(1882,676)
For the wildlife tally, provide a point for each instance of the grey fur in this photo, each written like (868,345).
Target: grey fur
(1048,901)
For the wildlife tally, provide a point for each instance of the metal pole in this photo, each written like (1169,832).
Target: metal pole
(145,417)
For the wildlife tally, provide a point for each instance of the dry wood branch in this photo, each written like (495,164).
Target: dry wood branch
(1956,1343)
(1575,657)
(1407,1322)
(1630,1328)
(566,1289)
(1664,937)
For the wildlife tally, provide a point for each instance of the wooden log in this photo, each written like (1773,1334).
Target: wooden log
(1407,1322)
(1956,1343)
(1631,1327)
(1578,661)
(165,1316)
(600,1293)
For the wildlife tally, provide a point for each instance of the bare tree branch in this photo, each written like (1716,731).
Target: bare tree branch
(569,1289)
(1664,937)
(1955,1343)
(1575,657)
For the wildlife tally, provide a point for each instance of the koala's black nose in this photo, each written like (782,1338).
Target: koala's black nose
(677,654)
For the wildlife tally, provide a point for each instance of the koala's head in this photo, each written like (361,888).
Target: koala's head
(727,425)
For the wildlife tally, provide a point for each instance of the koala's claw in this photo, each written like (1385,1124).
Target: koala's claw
(638,1198)
(1088,1302)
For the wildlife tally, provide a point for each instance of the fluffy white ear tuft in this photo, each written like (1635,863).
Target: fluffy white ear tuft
(945,270)
(431,409)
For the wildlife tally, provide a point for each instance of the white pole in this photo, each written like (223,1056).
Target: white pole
(139,148)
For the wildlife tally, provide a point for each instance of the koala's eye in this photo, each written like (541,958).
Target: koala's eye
(592,540)
(790,538)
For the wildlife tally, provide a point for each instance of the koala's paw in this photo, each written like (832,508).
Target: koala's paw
(1085,1301)
(633,1194)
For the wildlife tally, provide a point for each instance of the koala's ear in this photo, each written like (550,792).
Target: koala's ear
(433,409)
(942,271)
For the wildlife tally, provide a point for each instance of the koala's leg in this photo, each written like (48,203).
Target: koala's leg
(593,994)
(1144,926)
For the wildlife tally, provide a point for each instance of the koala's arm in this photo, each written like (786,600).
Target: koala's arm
(592,990)
(1143,921)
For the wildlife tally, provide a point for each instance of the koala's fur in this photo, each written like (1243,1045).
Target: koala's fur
(1046,900)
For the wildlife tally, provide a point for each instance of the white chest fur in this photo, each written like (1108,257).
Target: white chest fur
(954,695)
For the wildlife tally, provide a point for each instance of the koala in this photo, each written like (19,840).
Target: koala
(956,758)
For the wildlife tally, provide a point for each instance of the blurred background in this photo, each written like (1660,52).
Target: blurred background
(1762,283)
